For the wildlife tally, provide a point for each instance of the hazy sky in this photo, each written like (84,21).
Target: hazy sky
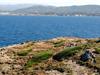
(52,2)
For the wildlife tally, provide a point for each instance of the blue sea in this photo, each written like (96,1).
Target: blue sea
(17,29)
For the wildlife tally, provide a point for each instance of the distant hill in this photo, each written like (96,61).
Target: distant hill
(37,10)
(14,7)
(88,10)
(67,10)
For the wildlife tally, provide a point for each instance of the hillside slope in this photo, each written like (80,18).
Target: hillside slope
(66,10)
(36,57)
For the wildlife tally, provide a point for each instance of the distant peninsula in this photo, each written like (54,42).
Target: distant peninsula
(40,10)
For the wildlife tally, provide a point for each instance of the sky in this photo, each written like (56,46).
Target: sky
(52,2)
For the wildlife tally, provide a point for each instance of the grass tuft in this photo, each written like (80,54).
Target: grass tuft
(24,52)
(97,50)
(39,57)
(59,43)
(66,53)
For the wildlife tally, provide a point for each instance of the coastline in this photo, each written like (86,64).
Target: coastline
(52,15)
(25,42)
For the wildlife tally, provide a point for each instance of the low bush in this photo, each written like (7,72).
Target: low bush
(39,57)
(97,41)
(24,52)
(66,53)
(58,44)
(97,50)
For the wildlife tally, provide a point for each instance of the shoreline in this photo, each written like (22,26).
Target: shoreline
(57,15)
(25,42)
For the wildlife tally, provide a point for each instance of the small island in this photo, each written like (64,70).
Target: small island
(37,57)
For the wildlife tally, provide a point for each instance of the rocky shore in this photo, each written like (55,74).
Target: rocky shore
(36,57)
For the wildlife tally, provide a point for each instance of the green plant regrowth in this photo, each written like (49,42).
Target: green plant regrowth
(24,52)
(39,57)
(97,50)
(58,44)
(66,53)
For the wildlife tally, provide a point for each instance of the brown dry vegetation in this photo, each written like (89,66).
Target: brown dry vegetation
(36,58)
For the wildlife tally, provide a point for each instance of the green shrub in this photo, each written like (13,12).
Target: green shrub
(24,53)
(66,53)
(39,57)
(97,41)
(97,50)
(58,44)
